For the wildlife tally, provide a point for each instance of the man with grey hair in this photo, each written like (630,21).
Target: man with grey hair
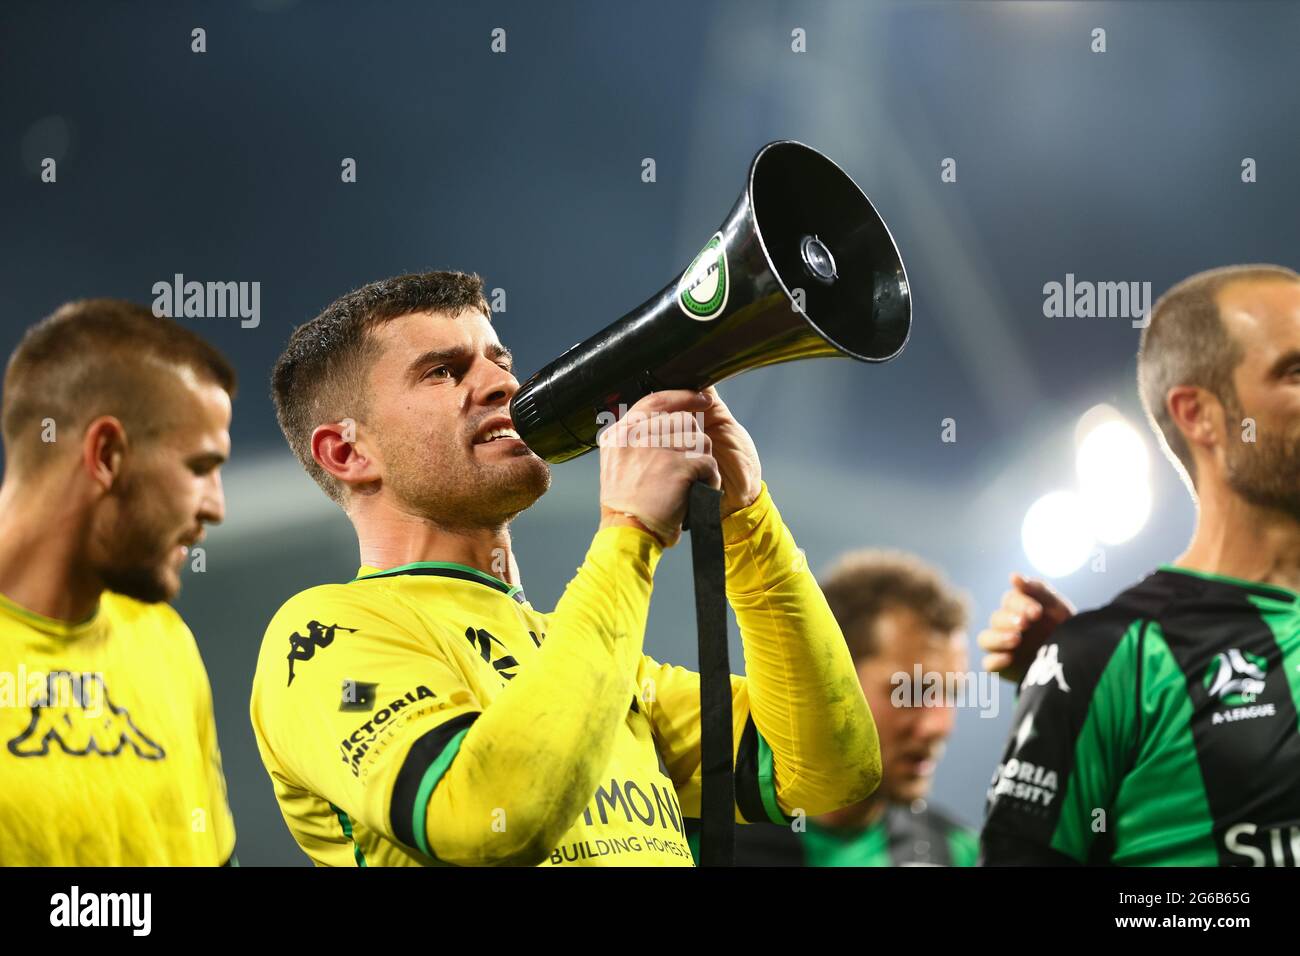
(1162,728)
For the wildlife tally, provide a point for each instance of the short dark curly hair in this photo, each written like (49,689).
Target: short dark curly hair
(862,585)
(321,376)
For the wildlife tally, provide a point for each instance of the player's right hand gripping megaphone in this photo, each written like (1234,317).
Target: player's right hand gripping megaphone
(803,267)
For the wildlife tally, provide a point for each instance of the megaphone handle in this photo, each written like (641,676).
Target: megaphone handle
(718,781)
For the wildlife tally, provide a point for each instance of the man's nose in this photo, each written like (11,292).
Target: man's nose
(496,386)
(936,722)
(212,506)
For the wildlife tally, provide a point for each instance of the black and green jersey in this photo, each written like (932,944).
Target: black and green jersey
(905,835)
(1158,730)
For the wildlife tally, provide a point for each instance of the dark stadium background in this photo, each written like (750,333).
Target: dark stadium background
(526,167)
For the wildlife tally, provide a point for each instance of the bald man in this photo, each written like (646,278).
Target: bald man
(1162,728)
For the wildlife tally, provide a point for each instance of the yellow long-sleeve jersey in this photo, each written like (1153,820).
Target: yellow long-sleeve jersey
(428,714)
(109,753)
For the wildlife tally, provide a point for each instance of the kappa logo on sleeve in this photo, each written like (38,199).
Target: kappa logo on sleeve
(76,714)
(304,648)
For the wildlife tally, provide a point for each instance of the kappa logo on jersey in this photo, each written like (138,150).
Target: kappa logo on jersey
(318,635)
(1236,678)
(76,714)
(482,641)
(1047,668)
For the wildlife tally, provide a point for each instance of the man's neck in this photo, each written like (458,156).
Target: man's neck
(1236,539)
(390,539)
(41,555)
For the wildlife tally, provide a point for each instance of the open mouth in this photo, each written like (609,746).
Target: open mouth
(503,433)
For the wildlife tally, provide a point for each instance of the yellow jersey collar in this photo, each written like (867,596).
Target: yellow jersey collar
(49,625)
(444,569)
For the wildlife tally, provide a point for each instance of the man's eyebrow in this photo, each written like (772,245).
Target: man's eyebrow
(435,357)
(1284,362)
(496,351)
(214,458)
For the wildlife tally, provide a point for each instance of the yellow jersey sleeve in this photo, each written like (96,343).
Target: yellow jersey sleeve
(804,736)
(671,696)
(530,764)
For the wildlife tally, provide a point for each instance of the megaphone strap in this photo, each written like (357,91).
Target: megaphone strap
(718,782)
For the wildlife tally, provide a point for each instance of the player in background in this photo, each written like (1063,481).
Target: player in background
(426,713)
(897,613)
(115,428)
(1162,728)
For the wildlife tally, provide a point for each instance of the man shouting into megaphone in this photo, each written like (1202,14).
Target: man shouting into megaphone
(425,713)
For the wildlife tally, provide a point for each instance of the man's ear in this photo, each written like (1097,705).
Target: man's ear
(103,451)
(1198,415)
(337,449)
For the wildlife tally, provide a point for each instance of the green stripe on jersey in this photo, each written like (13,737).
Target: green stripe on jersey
(1165,782)
(767,783)
(419,813)
(346,823)
(963,847)
(1099,755)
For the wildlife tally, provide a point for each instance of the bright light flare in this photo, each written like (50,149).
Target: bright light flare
(1114,477)
(1056,534)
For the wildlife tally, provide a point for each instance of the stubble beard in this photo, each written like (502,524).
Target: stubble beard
(1266,473)
(466,494)
(134,557)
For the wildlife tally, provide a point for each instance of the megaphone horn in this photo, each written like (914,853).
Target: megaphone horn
(803,267)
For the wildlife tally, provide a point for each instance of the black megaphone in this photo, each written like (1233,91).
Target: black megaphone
(802,267)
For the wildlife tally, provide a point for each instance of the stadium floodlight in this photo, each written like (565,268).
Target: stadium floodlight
(1057,534)
(1114,475)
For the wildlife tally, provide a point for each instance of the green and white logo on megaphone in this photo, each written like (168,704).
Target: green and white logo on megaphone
(702,289)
